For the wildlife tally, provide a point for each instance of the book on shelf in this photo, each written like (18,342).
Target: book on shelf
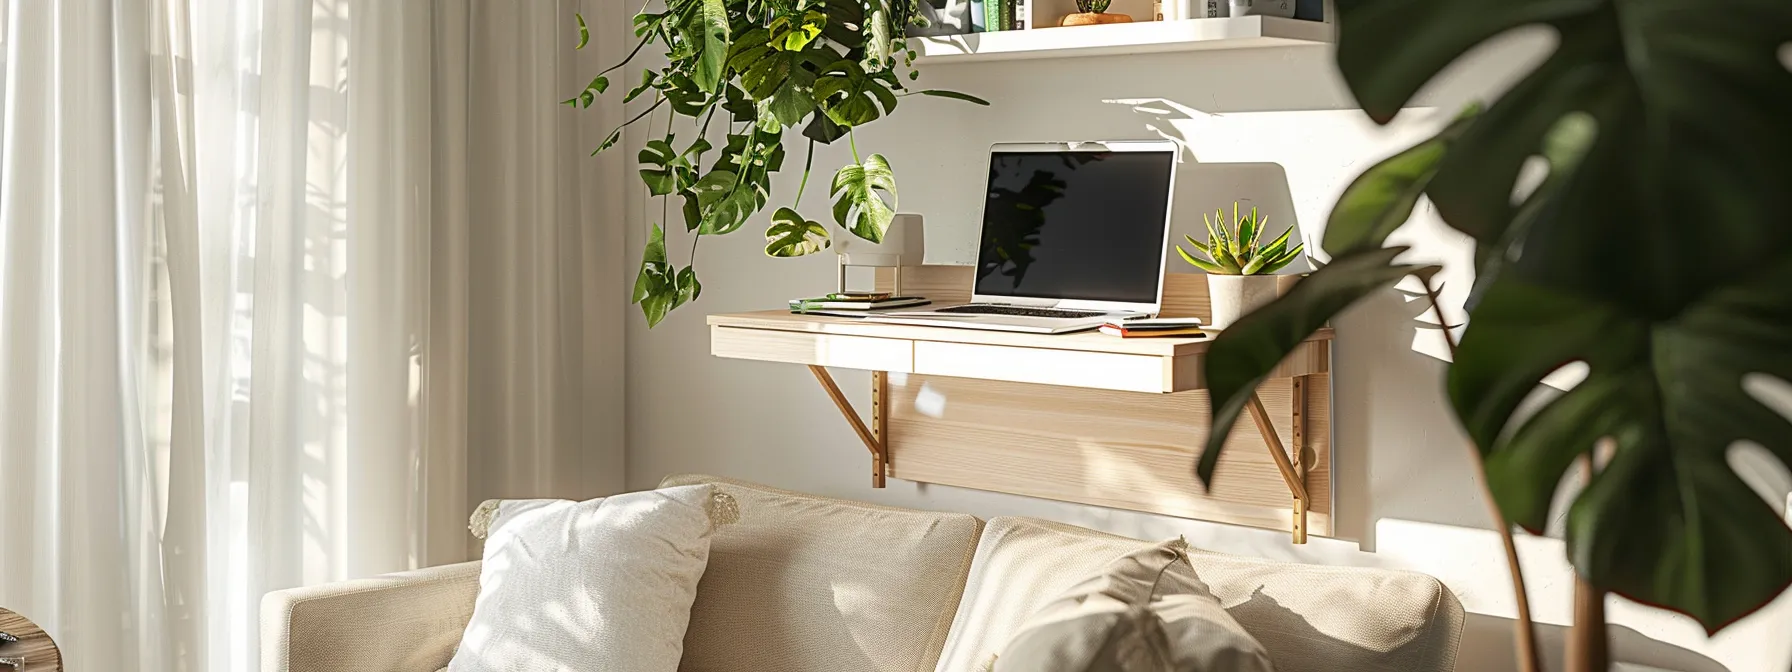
(1022,10)
(979,24)
(992,15)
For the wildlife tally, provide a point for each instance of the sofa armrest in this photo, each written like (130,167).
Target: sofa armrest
(404,622)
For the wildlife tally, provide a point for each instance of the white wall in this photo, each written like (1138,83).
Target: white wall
(1407,498)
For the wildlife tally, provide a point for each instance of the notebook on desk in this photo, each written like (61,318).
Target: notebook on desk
(1073,236)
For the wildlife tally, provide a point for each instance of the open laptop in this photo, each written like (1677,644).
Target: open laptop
(1073,236)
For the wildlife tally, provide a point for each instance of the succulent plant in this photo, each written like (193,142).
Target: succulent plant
(1238,250)
(1092,6)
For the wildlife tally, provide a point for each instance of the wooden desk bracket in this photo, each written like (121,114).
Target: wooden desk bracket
(1294,476)
(873,437)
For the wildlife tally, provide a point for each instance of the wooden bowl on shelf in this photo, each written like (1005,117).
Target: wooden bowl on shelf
(1093,19)
(34,645)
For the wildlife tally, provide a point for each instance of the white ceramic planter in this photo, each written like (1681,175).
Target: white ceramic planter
(1232,296)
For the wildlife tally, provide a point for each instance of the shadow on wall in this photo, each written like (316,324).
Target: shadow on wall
(1398,451)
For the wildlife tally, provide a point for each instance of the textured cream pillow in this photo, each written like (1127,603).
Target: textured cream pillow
(1145,612)
(605,584)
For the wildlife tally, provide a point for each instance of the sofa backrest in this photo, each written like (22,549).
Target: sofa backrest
(1310,618)
(811,584)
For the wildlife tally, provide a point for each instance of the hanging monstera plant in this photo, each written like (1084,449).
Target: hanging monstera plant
(763,67)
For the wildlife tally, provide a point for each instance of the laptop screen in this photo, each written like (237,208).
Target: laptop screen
(1083,225)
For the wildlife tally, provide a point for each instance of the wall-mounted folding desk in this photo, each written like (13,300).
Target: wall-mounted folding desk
(1082,417)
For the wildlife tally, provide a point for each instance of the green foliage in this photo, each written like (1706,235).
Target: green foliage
(1239,250)
(656,285)
(792,236)
(764,67)
(857,204)
(1092,6)
(1646,111)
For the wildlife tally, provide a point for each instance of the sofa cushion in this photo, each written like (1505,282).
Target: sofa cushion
(1310,618)
(811,584)
(1144,611)
(604,584)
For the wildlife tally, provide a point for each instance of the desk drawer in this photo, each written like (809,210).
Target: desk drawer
(1104,370)
(799,347)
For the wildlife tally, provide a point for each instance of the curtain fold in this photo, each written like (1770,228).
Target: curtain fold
(286,286)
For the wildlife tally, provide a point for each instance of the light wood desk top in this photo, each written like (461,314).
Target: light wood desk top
(1083,359)
(1089,341)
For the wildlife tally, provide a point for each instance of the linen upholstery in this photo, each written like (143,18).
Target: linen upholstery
(811,584)
(1309,618)
(404,622)
(1144,612)
(603,584)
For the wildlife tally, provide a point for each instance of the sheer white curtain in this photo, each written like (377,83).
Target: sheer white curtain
(284,285)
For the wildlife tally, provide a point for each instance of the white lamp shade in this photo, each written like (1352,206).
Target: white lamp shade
(905,244)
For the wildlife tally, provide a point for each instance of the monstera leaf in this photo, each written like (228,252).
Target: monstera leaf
(1689,100)
(857,206)
(851,96)
(686,288)
(710,22)
(792,236)
(1682,106)
(656,288)
(1667,521)
(672,171)
(1649,113)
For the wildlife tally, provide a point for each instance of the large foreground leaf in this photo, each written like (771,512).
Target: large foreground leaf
(1667,522)
(1250,348)
(1690,101)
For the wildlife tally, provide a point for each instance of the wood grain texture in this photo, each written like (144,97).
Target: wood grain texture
(854,352)
(1089,359)
(1092,341)
(1185,294)
(1102,370)
(40,653)
(1108,448)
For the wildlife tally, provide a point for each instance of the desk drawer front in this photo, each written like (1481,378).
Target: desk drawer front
(1104,370)
(797,347)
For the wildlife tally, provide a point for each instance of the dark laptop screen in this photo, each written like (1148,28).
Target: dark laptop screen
(1075,225)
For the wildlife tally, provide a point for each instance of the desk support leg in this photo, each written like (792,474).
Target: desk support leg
(1296,484)
(873,443)
(880,423)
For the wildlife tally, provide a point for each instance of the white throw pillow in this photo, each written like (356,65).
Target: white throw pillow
(600,585)
(1145,612)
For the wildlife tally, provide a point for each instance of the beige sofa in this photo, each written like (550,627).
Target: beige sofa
(810,584)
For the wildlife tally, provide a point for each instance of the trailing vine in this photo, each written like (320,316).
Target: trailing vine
(764,66)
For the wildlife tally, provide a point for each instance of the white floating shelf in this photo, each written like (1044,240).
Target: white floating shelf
(1144,37)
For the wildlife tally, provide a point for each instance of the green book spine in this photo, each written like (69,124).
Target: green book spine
(1006,20)
(992,15)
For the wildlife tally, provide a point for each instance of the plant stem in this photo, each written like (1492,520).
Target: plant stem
(854,143)
(661,100)
(1588,648)
(808,162)
(1523,629)
(631,54)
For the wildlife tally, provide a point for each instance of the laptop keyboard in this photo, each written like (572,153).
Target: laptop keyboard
(1018,311)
